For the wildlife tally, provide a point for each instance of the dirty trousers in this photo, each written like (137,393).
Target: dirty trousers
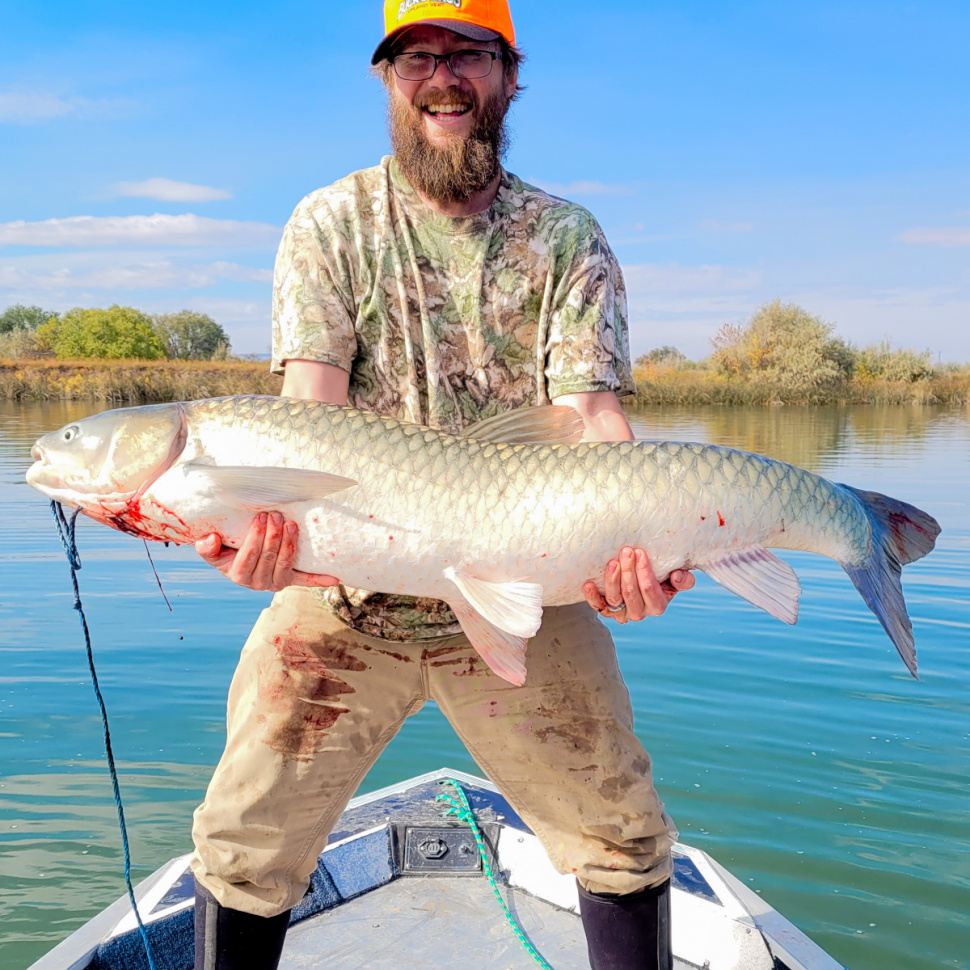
(313,703)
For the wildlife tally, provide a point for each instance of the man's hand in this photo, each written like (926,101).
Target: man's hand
(630,581)
(265,559)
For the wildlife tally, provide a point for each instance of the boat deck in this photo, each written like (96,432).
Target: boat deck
(402,885)
(433,921)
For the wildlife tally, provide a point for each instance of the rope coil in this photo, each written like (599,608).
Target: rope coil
(460,808)
(65,532)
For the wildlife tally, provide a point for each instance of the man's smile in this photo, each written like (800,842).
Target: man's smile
(447,111)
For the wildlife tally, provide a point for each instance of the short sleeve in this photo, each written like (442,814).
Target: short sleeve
(588,346)
(313,298)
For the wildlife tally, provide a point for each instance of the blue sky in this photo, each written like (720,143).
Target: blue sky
(734,152)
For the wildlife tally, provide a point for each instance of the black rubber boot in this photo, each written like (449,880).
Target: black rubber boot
(226,939)
(628,932)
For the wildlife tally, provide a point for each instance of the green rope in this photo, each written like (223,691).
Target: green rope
(461,809)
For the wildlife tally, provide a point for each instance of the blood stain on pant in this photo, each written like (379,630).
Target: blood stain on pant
(570,722)
(434,654)
(297,693)
(579,735)
(616,788)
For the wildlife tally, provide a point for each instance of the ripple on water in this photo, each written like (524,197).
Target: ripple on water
(805,759)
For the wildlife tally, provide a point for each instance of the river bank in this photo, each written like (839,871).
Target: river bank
(687,388)
(148,382)
(133,381)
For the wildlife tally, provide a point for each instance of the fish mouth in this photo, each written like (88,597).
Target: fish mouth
(38,454)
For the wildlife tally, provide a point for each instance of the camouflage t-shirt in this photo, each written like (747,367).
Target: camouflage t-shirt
(446,321)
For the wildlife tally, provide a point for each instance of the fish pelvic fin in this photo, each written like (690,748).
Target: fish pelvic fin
(513,607)
(761,578)
(901,534)
(498,619)
(503,652)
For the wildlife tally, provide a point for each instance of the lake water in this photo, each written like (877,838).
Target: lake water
(805,759)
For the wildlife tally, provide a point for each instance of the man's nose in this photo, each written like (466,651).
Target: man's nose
(443,72)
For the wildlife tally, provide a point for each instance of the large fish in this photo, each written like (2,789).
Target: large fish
(509,517)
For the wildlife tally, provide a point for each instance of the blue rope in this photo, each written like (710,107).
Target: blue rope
(65,532)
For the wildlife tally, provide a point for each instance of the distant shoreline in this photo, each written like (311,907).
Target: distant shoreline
(656,386)
(133,381)
(149,382)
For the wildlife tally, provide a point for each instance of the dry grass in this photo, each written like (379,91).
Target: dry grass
(660,386)
(132,381)
(149,382)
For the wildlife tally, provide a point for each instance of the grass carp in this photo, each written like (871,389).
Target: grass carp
(513,515)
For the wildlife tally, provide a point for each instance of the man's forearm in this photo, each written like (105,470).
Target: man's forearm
(602,414)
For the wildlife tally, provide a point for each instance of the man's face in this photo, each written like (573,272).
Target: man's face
(448,132)
(444,90)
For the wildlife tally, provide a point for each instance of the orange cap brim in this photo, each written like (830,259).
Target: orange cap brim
(471,31)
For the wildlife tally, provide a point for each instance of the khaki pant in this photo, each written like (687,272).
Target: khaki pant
(313,704)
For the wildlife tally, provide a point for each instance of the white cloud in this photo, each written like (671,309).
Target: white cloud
(684,306)
(154,230)
(566,191)
(942,236)
(166,190)
(715,225)
(937,318)
(652,278)
(32,107)
(238,296)
(52,276)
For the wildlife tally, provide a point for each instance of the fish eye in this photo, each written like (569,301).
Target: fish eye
(70,433)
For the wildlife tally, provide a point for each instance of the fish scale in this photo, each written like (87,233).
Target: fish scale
(496,527)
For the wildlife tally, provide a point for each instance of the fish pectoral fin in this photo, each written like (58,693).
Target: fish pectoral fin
(258,489)
(503,652)
(760,577)
(544,424)
(515,608)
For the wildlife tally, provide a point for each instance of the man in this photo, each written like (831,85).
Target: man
(439,288)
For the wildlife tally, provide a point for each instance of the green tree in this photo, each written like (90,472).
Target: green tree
(192,336)
(20,317)
(786,346)
(883,362)
(665,356)
(114,333)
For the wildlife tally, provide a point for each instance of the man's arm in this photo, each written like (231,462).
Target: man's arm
(629,578)
(265,559)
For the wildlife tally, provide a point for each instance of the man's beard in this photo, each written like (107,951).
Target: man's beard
(455,168)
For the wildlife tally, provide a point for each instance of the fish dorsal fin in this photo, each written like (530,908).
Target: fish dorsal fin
(515,608)
(760,577)
(503,652)
(259,489)
(544,424)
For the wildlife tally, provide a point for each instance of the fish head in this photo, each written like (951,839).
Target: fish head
(106,461)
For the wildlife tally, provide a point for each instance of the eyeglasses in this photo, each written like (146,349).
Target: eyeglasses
(420,66)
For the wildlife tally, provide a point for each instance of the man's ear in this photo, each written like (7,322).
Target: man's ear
(511,82)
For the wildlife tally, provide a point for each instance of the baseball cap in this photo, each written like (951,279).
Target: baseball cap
(481,20)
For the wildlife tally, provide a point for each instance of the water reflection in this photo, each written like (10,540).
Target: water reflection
(804,758)
(22,424)
(812,438)
(808,437)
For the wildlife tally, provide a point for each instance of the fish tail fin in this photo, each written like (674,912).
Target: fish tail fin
(901,534)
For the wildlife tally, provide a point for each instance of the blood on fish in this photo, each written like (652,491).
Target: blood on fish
(134,521)
(720,519)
